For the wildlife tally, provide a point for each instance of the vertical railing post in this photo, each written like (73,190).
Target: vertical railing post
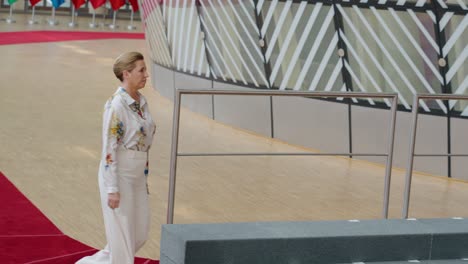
(174,150)
(409,168)
(388,166)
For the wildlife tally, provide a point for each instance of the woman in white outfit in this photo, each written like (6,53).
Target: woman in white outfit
(128,131)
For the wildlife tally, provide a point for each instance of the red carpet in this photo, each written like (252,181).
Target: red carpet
(9,38)
(27,236)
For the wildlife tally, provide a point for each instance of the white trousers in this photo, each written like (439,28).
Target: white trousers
(127,226)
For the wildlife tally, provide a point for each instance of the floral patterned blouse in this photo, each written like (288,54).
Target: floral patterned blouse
(127,124)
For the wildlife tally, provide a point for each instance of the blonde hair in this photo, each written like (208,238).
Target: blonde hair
(126,62)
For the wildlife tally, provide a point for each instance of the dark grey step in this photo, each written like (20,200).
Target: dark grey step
(440,261)
(314,242)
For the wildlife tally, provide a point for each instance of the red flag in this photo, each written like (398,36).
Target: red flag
(78,3)
(117,4)
(97,3)
(34,2)
(134,4)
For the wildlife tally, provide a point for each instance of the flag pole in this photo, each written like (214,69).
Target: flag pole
(113,25)
(32,21)
(93,22)
(131,26)
(72,23)
(53,22)
(10,19)
(104,18)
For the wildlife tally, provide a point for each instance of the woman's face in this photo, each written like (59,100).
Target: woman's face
(137,77)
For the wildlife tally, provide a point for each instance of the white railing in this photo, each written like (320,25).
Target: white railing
(175,135)
(409,168)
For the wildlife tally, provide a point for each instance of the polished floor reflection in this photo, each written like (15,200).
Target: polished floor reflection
(51,99)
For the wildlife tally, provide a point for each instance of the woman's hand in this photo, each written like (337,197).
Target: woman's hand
(113,200)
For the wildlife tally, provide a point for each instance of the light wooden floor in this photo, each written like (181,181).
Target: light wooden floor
(51,99)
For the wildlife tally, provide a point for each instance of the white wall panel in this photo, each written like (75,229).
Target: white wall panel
(312,123)
(246,112)
(197,103)
(163,81)
(459,134)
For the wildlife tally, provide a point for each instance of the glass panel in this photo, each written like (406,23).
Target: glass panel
(232,41)
(456,50)
(410,1)
(393,51)
(184,37)
(190,54)
(462,3)
(170,13)
(303,45)
(155,32)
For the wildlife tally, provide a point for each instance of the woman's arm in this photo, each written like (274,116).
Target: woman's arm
(113,136)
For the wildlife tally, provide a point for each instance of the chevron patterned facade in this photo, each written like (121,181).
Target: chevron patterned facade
(401,46)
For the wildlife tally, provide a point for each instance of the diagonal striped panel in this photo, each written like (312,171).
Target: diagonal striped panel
(302,46)
(172,23)
(446,4)
(152,21)
(279,21)
(398,3)
(455,53)
(407,3)
(393,51)
(185,37)
(389,49)
(232,41)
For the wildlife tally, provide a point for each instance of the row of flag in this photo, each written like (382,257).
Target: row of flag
(115,4)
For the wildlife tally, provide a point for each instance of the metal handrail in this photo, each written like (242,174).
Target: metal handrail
(277,154)
(176,121)
(409,168)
